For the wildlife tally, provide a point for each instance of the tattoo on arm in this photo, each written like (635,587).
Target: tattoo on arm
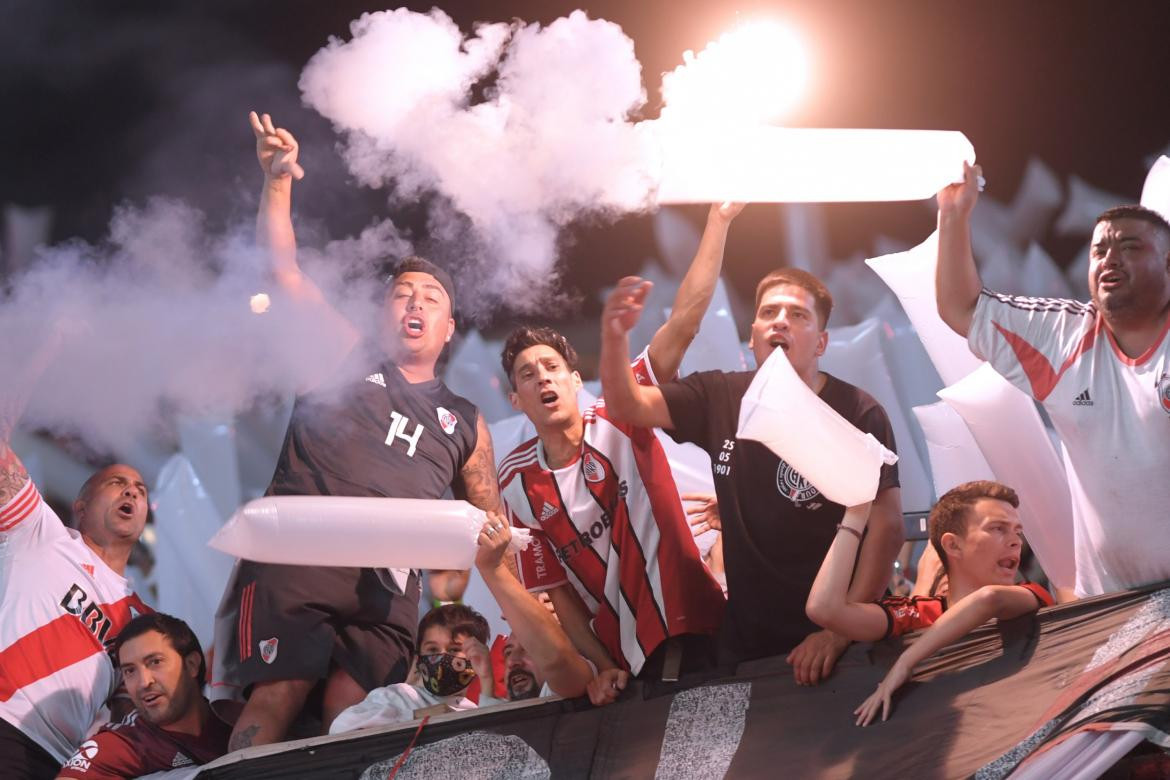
(480,485)
(12,473)
(244,738)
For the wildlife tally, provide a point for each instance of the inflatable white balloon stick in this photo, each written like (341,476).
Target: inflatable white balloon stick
(1156,191)
(783,413)
(393,533)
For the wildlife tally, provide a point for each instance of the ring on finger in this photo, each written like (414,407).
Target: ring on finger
(490,530)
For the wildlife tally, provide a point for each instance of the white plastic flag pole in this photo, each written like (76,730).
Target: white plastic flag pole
(345,531)
(1156,191)
(781,412)
(765,164)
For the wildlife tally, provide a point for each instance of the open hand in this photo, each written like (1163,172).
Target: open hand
(703,511)
(880,699)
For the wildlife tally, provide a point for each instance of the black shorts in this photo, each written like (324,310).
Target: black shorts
(23,759)
(295,622)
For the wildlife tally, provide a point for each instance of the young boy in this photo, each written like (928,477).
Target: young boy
(976,531)
(452,651)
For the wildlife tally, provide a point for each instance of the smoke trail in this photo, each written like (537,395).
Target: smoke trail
(549,140)
(157,322)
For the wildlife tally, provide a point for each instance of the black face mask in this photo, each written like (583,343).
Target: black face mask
(444,674)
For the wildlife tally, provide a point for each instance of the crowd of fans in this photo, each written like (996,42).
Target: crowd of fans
(94,684)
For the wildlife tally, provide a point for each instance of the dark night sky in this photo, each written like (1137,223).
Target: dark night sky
(107,102)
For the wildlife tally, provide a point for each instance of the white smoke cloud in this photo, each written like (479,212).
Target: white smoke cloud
(549,141)
(157,322)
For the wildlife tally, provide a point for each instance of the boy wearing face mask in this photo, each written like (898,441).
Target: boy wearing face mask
(452,652)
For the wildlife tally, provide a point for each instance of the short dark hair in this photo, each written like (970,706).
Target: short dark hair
(456,618)
(177,632)
(527,336)
(822,298)
(953,511)
(416,264)
(1134,211)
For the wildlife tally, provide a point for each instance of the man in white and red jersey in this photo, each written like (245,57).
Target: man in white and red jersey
(1102,371)
(609,530)
(63,597)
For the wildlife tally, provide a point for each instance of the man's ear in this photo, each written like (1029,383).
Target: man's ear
(822,342)
(951,546)
(514,399)
(577,383)
(191,666)
(450,330)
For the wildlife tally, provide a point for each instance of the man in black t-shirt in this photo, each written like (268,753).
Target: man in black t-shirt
(777,526)
(378,423)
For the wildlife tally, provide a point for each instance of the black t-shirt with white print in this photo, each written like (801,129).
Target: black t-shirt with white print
(777,527)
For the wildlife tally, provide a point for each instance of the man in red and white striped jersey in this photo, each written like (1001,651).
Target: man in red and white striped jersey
(611,541)
(63,597)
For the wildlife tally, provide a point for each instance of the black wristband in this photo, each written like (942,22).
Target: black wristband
(854,531)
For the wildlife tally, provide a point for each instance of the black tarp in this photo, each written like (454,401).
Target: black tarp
(978,708)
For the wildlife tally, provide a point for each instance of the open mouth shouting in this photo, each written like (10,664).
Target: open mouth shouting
(549,398)
(152,699)
(1008,566)
(125,510)
(414,326)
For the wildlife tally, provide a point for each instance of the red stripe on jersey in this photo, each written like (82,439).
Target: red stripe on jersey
(1040,372)
(21,506)
(1142,358)
(520,457)
(60,643)
(580,558)
(633,581)
(692,599)
(245,632)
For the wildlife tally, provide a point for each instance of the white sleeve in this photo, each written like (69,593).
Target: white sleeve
(27,521)
(1030,341)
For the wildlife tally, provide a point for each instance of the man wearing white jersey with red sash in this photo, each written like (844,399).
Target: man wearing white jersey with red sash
(610,533)
(1102,371)
(63,597)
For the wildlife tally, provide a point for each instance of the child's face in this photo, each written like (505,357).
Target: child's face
(990,553)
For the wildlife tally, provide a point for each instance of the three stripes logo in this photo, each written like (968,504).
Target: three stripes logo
(1083,399)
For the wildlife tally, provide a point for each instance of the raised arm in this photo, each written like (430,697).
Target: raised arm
(957,282)
(694,294)
(625,399)
(276,151)
(830,604)
(991,601)
(552,651)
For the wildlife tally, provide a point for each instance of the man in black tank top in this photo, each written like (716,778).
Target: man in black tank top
(383,426)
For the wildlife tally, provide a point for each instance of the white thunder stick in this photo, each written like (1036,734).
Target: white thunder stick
(765,164)
(820,446)
(345,531)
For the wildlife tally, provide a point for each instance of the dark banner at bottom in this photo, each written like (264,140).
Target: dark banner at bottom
(980,708)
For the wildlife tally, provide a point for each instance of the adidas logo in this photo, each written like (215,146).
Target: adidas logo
(377,379)
(548,511)
(1083,399)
